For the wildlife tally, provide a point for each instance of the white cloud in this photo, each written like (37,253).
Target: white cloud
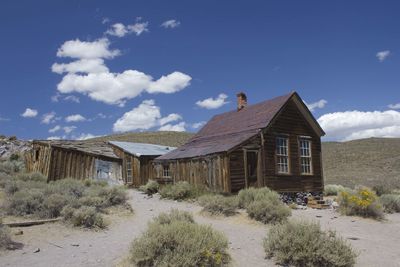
(55,129)
(180,127)
(4,119)
(170,118)
(87,50)
(54,138)
(394,106)
(198,124)
(75,118)
(85,65)
(382,55)
(69,129)
(351,125)
(105,20)
(172,23)
(49,118)
(120,30)
(139,27)
(72,98)
(319,104)
(85,136)
(116,88)
(143,117)
(213,103)
(30,113)
(146,116)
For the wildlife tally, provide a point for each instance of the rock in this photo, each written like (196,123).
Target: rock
(36,250)
(20,232)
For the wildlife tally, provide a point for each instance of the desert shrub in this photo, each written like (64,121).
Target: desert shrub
(25,202)
(382,188)
(150,188)
(267,211)
(11,187)
(33,176)
(92,182)
(4,179)
(174,215)
(217,204)
(85,216)
(390,202)
(68,186)
(362,202)
(247,196)
(181,191)
(305,244)
(53,205)
(333,189)
(179,242)
(92,201)
(113,196)
(10,167)
(5,237)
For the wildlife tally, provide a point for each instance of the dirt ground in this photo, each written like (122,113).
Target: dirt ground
(377,242)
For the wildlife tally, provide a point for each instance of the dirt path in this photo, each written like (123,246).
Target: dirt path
(59,245)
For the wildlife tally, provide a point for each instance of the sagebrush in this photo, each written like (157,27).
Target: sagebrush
(391,202)
(218,204)
(150,188)
(305,244)
(176,240)
(181,191)
(5,237)
(333,189)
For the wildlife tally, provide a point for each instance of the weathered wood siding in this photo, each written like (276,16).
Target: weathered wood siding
(39,159)
(291,123)
(211,171)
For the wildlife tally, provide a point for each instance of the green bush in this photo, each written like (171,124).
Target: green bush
(181,191)
(382,188)
(247,196)
(11,167)
(34,176)
(391,202)
(85,216)
(68,186)
(267,211)
(4,179)
(5,237)
(305,244)
(333,189)
(362,202)
(150,188)
(113,196)
(217,204)
(53,205)
(179,242)
(174,215)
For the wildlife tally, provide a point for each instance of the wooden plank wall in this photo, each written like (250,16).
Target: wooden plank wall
(42,162)
(211,171)
(292,123)
(236,166)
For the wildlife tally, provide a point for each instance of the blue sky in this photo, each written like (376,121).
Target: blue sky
(73,69)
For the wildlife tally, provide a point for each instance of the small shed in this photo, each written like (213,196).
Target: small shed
(61,159)
(275,143)
(137,160)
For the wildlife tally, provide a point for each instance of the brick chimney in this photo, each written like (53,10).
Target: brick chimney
(241,100)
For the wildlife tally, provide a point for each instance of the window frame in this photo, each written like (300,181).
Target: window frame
(166,169)
(129,170)
(310,156)
(277,156)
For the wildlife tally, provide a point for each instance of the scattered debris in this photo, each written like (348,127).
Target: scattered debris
(353,238)
(31,223)
(36,250)
(20,232)
(318,216)
(75,245)
(55,245)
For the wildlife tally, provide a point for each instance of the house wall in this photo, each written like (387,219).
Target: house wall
(39,159)
(294,125)
(211,171)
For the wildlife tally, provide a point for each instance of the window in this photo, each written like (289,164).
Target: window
(282,154)
(305,156)
(166,171)
(129,178)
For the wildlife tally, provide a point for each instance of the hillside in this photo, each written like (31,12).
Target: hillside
(160,138)
(367,161)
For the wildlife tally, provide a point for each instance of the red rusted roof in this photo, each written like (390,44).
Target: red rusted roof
(230,129)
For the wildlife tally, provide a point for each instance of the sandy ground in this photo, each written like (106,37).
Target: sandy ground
(377,242)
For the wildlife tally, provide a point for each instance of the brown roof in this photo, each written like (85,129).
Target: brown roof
(98,148)
(230,129)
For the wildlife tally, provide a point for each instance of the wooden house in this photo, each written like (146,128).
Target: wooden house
(275,143)
(75,159)
(137,160)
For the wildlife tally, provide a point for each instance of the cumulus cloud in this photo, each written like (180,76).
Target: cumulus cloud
(139,27)
(30,113)
(85,136)
(355,124)
(87,50)
(213,103)
(72,98)
(49,118)
(120,30)
(198,125)
(394,106)
(55,129)
(382,55)
(143,117)
(75,118)
(90,76)
(172,23)
(319,104)
(180,127)
(105,20)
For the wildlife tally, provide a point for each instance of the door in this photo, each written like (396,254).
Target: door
(251,165)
